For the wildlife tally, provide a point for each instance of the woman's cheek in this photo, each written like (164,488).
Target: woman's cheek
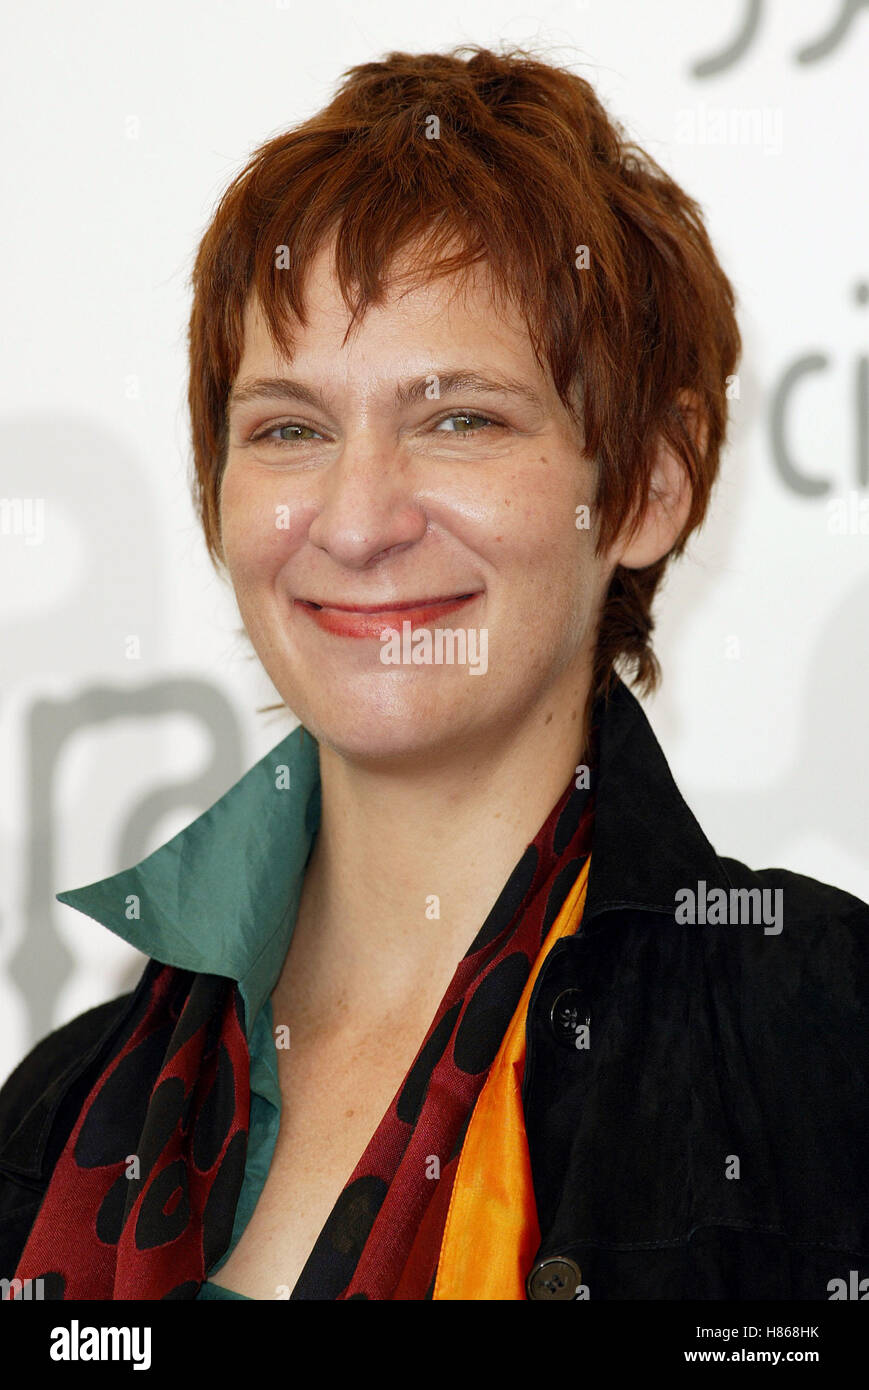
(260,527)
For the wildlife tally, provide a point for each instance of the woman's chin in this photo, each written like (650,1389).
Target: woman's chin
(408,732)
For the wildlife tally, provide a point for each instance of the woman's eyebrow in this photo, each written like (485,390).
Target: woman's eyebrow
(409,392)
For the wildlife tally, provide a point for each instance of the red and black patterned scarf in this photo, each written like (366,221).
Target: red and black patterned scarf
(142,1200)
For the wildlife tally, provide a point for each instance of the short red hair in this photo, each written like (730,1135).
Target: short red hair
(525,168)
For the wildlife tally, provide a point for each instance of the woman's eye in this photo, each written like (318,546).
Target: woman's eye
(288,433)
(465,415)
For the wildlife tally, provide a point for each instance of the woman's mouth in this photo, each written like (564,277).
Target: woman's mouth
(369,619)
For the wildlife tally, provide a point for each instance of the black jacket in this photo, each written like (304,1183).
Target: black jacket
(712,1139)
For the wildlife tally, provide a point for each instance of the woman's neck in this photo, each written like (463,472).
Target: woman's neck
(407,865)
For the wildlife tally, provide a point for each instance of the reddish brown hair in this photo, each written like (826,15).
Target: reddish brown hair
(525,168)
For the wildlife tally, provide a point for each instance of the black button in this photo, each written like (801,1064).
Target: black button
(558,1277)
(569,1012)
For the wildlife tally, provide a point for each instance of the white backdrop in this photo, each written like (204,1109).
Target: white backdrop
(122,123)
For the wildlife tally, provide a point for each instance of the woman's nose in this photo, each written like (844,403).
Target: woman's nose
(366,504)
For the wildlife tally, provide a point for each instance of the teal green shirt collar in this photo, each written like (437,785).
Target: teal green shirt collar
(221,897)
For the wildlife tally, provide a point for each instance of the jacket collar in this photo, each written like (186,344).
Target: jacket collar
(221,897)
(646,843)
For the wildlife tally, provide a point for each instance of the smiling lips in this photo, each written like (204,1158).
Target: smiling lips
(369,620)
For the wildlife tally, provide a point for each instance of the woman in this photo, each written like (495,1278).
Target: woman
(458,359)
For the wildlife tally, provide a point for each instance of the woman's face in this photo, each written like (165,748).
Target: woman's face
(370,480)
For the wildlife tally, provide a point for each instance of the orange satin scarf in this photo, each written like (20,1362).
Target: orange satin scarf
(491,1234)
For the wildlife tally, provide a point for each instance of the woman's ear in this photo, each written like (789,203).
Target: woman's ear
(670,496)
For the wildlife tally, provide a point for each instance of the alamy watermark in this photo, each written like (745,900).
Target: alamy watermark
(22,1290)
(77,1343)
(731,125)
(443,646)
(23,516)
(738,907)
(852,1288)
